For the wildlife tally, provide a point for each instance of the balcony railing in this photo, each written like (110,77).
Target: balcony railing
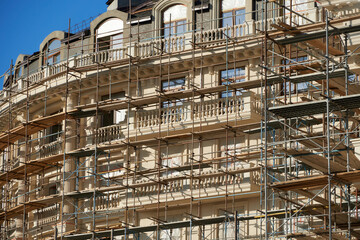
(51,148)
(203,180)
(235,106)
(47,215)
(110,133)
(101,57)
(107,201)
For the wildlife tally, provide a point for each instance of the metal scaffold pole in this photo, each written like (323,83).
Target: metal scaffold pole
(265,107)
(328,125)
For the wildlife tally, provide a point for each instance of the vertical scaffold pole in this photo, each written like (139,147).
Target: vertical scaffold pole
(328,121)
(265,62)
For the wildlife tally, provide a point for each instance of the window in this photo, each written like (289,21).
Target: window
(171,162)
(232,76)
(52,189)
(170,112)
(174,19)
(173,85)
(174,24)
(110,36)
(54,132)
(116,116)
(299,87)
(233,13)
(52,52)
(353,79)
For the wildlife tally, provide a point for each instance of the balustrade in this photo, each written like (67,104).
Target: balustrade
(51,148)
(48,215)
(109,133)
(206,179)
(217,108)
(108,201)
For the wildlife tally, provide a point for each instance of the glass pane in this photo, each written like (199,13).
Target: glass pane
(176,84)
(239,16)
(227,19)
(232,76)
(50,61)
(117,41)
(56,58)
(54,46)
(173,84)
(181,27)
(302,87)
(168,30)
(287,88)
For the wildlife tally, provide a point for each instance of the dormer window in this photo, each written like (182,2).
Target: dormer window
(233,12)
(110,34)
(174,20)
(52,52)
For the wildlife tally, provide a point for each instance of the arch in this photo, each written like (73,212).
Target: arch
(111,26)
(164,5)
(232,13)
(175,12)
(20,59)
(54,35)
(19,65)
(51,52)
(232,4)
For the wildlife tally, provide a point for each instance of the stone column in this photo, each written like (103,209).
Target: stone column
(69,128)
(21,195)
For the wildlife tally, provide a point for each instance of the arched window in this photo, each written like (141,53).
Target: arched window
(233,12)
(52,52)
(174,20)
(109,35)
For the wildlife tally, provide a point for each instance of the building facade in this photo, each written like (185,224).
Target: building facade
(184,119)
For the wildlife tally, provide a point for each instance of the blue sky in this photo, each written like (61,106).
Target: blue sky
(25,23)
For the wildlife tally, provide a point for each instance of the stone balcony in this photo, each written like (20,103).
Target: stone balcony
(243,107)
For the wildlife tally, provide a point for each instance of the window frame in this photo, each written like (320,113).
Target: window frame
(175,27)
(242,78)
(294,87)
(177,102)
(109,118)
(233,16)
(51,55)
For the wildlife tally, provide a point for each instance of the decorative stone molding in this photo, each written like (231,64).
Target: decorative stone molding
(54,35)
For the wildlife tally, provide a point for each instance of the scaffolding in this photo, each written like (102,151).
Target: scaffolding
(265,110)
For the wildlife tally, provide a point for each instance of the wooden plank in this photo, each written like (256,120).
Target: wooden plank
(341,157)
(314,160)
(318,181)
(317,43)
